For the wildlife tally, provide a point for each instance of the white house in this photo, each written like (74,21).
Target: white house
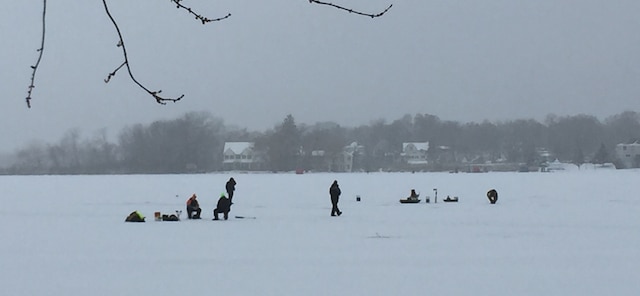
(340,162)
(415,153)
(240,156)
(629,154)
(344,161)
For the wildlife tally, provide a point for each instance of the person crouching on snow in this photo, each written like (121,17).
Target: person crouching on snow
(493,196)
(193,206)
(224,206)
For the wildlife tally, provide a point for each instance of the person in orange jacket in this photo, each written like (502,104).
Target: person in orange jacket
(193,206)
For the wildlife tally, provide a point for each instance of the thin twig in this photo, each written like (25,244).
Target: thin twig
(106,80)
(351,10)
(155,95)
(379,236)
(40,50)
(199,17)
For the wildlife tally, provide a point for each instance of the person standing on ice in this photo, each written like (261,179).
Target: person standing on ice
(231,187)
(335,192)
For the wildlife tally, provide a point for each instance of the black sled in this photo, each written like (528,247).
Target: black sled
(410,200)
(451,199)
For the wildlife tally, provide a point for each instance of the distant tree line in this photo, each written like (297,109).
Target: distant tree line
(194,143)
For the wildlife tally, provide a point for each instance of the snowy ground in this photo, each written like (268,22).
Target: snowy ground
(562,233)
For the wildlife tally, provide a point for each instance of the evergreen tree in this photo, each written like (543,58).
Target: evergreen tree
(283,146)
(578,158)
(602,156)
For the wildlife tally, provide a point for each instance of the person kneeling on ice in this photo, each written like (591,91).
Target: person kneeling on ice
(193,206)
(224,206)
(492,195)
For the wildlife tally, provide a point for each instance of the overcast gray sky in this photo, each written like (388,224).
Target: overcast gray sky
(465,60)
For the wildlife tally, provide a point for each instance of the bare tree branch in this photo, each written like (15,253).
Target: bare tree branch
(40,50)
(203,19)
(155,94)
(351,10)
(106,80)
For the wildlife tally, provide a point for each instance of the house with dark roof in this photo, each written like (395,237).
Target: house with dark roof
(241,156)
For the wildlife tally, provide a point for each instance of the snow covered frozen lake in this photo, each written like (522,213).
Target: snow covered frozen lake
(561,233)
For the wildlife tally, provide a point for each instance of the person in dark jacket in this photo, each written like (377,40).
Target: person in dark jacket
(224,206)
(193,206)
(493,196)
(231,187)
(335,192)
(413,195)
